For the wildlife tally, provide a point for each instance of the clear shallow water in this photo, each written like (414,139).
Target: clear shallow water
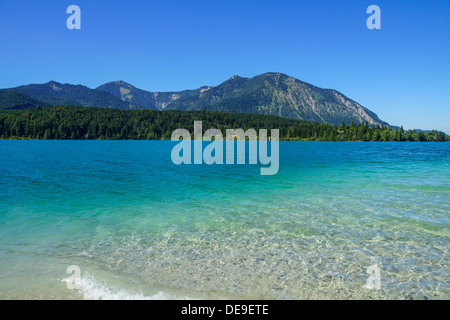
(140,227)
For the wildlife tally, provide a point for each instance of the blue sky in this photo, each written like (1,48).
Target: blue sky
(401,72)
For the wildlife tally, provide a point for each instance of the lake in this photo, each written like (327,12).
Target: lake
(140,227)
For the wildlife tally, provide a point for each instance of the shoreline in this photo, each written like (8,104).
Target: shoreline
(284,140)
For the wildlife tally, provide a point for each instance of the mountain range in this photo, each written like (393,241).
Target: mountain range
(270,93)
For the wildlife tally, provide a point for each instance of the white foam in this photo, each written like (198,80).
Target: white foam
(92,289)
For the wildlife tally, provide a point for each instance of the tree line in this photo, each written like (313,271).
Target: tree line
(78,123)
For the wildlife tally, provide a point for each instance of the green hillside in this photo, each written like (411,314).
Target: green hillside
(17,100)
(54,93)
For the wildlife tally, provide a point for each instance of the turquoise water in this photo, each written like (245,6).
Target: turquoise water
(141,227)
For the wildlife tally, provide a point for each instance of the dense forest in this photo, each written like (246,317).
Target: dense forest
(113,124)
(15,100)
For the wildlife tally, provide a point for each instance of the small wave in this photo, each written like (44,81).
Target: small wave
(92,289)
